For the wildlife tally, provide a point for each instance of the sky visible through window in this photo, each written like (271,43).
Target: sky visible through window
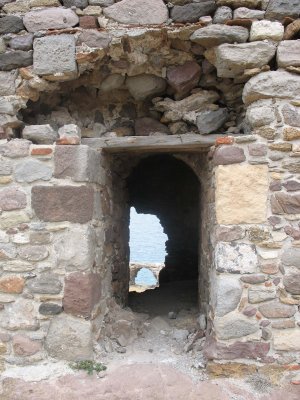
(147,239)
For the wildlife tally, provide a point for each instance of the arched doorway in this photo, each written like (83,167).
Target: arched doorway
(167,187)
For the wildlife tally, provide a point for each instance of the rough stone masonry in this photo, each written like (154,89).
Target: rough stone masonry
(74,71)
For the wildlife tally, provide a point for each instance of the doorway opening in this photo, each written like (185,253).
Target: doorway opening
(165,186)
(147,243)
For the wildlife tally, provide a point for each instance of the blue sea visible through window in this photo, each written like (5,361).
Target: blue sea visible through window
(147,238)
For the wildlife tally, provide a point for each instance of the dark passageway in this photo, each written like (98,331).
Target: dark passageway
(166,187)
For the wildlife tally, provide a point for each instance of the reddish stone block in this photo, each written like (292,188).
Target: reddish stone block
(82,292)
(63,203)
(41,151)
(12,198)
(24,346)
(12,284)
(250,350)
(88,22)
(224,140)
(184,78)
(225,155)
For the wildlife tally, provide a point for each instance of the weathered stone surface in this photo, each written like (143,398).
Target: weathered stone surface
(19,315)
(7,83)
(239,3)
(69,338)
(184,78)
(249,311)
(228,155)
(12,198)
(143,86)
(235,258)
(11,104)
(259,115)
(93,38)
(76,3)
(260,294)
(209,121)
(288,53)
(32,170)
(88,22)
(56,204)
(11,284)
(291,115)
(5,166)
(15,59)
(241,194)
(291,257)
(222,15)
(291,133)
(50,309)
(40,134)
(229,288)
(81,292)
(275,309)
(12,218)
(284,203)
(142,12)
(55,55)
(250,350)
(279,9)
(193,11)
(257,149)
(69,134)
(24,346)
(281,84)
(254,278)
(10,24)
(146,126)
(248,13)
(7,251)
(33,253)
(292,283)
(23,42)
(80,163)
(75,249)
(234,326)
(15,148)
(228,234)
(113,81)
(287,340)
(232,59)
(213,35)
(50,18)
(266,30)
(45,284)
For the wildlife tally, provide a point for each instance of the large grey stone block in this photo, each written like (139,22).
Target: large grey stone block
(145,86)
(50,18)
(228,292)
(75,249)
(215,34)
(236,258)
(141,12)
(69,338)
(32,170)
(54,54)
(15,59)
(7,83)
(234,326)
(80,163)
(288,53)
(11,24)
(279,9)
(232,59)
(40,134)
(281,84)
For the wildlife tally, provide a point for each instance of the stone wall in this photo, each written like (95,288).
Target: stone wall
(105,69)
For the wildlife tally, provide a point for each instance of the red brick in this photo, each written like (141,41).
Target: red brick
(41,151)
(224,140)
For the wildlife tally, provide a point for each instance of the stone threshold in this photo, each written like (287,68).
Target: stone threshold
(165,143)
